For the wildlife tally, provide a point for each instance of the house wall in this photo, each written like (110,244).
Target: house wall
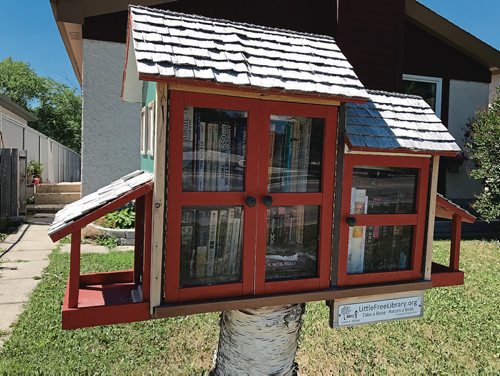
(318,16)
(495,83)
(111,128)
(466,98)
(370,34)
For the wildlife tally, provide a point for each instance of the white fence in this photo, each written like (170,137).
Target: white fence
(60,164)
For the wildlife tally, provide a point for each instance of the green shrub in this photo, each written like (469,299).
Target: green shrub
(123,218)
(35,169)
(484,148)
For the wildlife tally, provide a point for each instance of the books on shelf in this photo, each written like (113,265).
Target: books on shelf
(211,243)
(356,247)
(214,152)
(289,154)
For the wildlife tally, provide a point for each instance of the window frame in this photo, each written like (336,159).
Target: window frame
(151,128)
(418,219)
(144,131)
(433,80)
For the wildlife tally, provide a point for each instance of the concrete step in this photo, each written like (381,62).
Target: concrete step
(43,208)
(56,198)
(59,188)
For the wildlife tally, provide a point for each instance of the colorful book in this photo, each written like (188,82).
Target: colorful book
(188,160)
(212,242)
(202,243)
(200,156)
(224,159)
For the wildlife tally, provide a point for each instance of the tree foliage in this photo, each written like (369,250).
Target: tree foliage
(484,148)
(57,106)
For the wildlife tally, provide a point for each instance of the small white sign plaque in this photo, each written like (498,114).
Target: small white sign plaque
(371,309)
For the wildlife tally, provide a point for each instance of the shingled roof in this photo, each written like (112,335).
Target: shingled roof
(121,187)
(169,44)
(397,121)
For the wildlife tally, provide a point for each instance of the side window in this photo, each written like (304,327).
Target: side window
(144,131)
(151,139)
(429,88)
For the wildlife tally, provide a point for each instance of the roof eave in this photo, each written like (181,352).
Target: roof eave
(441,153)
(16,109)
(452,34)
(263,92)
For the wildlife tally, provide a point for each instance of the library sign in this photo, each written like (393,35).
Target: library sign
(372,309)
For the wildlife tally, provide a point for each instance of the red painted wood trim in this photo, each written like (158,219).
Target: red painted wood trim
(104,278)
(454,210)
(442,276)
(385,219)
(99,212)
(456,235)
(139,239)
(418,219)
(74,269)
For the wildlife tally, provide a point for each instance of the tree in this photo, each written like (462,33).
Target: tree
(57,106)
(484,148)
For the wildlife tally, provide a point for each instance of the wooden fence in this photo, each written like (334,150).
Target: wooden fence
(13,182)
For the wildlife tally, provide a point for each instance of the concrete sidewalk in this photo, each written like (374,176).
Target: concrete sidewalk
(23,257)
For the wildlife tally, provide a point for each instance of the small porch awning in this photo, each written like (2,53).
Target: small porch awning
(116,296)
(450,275)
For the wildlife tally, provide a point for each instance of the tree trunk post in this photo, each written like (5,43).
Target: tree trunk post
(261,341)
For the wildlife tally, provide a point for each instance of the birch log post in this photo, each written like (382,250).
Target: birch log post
(261,341)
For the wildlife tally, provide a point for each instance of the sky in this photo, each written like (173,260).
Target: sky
(29,33)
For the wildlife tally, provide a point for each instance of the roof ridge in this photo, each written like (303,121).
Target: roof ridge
(246,24)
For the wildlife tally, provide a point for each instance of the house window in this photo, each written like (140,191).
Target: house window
(383,219)
(151,128)
(429,88)
(250,192)
(144,131)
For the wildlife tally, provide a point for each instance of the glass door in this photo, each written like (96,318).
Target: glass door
(211,197)
(295,197)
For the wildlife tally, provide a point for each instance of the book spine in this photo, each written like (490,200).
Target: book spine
(212,243)
(238,170)
(305,141)
(214,167)
(208,156)
(287,157)
(228,240)
(202,243)
(200,154)
(187,161)
(224,159)
(235,238)
(272,139)
(221,239)
(295,156)
(186,243)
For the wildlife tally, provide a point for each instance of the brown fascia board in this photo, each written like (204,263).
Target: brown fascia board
(452,34)
(71,34)
(75,11)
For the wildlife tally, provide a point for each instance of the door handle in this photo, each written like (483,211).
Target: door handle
(267,201)
(351,221)
(250,201)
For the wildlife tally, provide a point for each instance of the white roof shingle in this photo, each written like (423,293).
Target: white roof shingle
(397,121)
(171,44)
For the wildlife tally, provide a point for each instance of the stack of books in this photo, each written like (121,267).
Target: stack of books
(292,242)
(211,243)
(214,152)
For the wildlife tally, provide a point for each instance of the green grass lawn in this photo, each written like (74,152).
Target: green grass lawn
(459,333)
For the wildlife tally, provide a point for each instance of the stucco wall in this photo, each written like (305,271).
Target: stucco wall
(495,82)
(466,98)
(111,128)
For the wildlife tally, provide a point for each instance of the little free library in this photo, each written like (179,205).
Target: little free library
(274,178)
